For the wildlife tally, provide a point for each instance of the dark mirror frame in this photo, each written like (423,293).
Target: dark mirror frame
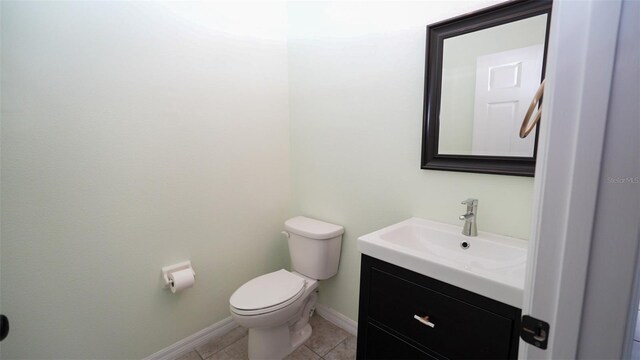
(436,34)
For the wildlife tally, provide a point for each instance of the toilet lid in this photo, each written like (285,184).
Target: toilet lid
(267,291)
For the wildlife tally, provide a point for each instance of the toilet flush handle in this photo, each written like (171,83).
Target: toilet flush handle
(286,233)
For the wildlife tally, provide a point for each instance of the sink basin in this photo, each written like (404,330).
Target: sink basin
(493,266)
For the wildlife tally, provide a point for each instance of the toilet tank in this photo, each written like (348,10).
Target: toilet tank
(314,246)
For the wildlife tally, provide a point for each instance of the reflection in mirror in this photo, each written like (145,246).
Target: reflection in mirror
(488,80)
(482,72)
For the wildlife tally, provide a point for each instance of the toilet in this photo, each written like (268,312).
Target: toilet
(276,307)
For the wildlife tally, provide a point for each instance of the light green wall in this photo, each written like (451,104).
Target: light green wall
(356,75)
(459,75)
(134,136)
(137,135)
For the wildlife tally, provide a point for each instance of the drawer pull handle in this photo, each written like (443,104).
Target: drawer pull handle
(424,320)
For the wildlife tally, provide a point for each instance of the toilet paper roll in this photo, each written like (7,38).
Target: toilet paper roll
(180,280)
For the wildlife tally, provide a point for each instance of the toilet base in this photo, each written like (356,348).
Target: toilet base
(269,343)
(276,343)
(300,336)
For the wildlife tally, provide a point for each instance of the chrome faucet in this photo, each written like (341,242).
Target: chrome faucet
(470,227)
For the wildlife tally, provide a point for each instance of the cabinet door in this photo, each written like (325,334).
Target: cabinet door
(383,345)
(461,330)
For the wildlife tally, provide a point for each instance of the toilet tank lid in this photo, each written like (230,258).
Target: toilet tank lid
(311,228)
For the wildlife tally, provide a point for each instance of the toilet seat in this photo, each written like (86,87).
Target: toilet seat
(267,293)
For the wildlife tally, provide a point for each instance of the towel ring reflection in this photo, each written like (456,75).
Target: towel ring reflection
(527,123)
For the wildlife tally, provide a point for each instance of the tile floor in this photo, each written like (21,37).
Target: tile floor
(327,342)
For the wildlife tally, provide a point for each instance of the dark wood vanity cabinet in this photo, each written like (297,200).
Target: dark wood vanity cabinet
(466,325)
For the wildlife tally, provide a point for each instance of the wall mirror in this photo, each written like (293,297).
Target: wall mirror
(482,71)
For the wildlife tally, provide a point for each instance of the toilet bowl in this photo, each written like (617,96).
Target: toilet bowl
(276,307)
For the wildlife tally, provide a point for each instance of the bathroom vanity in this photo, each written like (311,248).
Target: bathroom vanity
(425,296)
(454,323)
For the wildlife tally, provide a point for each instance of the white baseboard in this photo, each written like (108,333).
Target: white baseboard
(337,319)
(191,342)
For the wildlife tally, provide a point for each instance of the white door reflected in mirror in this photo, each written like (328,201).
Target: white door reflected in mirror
(504,84)
(488,79)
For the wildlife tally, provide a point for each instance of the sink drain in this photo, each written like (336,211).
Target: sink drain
(465,245)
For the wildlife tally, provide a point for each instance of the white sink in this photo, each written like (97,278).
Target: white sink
(492,266)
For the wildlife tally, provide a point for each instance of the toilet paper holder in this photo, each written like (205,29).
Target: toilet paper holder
(173,268)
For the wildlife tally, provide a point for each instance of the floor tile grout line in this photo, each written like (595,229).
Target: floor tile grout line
(312,350)
(247,335)
(333,348)
(224,348)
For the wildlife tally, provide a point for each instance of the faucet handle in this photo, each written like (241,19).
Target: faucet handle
(470,202)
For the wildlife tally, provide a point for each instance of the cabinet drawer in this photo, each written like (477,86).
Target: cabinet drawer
(461,330)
